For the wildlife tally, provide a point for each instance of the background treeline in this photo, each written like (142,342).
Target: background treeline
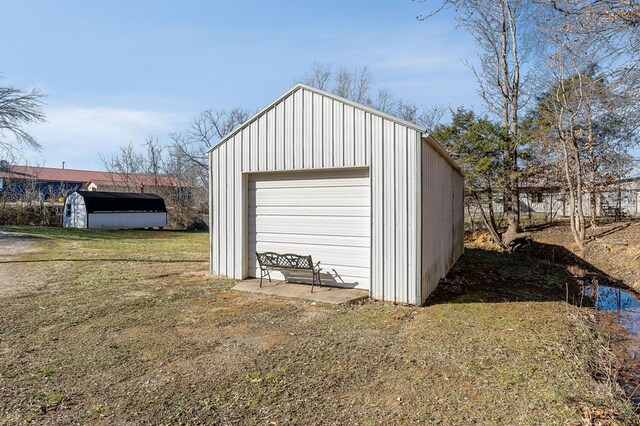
(560,85)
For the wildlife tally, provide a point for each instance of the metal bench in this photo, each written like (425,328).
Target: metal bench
(270,261)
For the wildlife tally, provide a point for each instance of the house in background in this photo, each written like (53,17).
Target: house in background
(538,200)
(617,199)
(620,198)
(54,183)
(372,198)
(113,210)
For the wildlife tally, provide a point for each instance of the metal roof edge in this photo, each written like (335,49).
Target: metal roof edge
(255,116)
(443,152)
(363,107)
(298,86)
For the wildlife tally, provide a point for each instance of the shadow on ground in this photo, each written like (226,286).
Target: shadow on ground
(539,272)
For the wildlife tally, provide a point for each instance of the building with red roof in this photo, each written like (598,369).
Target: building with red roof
(51,182)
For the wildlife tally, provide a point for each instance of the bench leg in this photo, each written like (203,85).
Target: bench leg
(264,273)
(315,276)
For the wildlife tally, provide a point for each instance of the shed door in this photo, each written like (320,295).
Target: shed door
(322,214)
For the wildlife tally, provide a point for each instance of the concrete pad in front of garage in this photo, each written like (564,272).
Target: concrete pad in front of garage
(335,295)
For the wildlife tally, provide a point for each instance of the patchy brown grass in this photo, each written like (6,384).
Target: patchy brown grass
(126,327)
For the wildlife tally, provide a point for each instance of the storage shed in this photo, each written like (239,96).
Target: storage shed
(372,198)
(113,210)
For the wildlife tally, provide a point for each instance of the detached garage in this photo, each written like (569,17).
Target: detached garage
(378,203)
(113,210)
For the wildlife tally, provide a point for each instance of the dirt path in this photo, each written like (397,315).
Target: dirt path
(11,245)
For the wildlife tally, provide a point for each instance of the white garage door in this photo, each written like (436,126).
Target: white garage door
(322,214)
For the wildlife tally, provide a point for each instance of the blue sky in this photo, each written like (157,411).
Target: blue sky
(118,71)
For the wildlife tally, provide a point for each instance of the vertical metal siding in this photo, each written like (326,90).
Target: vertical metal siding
(442,217)
(388,211)
(359,137)
(222,209)
(288,134)
(338,134)
(327,131)
(377,214)
(296,124)
(318,129)
(308,130)
(237,206)
(401,212)
(253,153)
(414,214)
(278,130)
(348,134)
(214,217)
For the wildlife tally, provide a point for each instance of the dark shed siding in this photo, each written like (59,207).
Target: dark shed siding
(98,201)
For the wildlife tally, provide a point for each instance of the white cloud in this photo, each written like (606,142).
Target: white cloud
(79,135)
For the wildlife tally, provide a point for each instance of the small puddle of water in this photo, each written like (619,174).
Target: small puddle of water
(618,313)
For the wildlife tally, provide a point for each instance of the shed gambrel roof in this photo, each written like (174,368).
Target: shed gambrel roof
(346,101)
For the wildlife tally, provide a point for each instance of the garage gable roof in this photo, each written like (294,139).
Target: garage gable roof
(100,201)
(323,93)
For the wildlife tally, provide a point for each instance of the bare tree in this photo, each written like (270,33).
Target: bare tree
(123,166)
(431,117)
(565,120)
(384,101)
(18,108)
(500,28)
(319,76)
(358,85)
(588,112)
(204,132)
(154,161)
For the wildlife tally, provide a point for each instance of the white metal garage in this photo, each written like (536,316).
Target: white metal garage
(370,196)
(322,214)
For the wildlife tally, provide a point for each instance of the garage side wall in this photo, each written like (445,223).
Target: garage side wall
(309,130)
(442,217)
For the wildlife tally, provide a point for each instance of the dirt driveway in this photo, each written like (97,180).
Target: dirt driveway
(12,244)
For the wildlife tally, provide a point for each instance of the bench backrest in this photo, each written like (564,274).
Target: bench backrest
(284,261)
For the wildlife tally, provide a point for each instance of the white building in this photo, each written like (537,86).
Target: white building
(372,198)
(113,210)
(619,199)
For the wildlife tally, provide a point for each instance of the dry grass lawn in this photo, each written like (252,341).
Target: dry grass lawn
(128,328)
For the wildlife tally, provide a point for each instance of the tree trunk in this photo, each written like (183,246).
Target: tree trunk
(492,215)
(592,167)
(471,218)
(510,87)
(489,223)
(579,201)
(575,200)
